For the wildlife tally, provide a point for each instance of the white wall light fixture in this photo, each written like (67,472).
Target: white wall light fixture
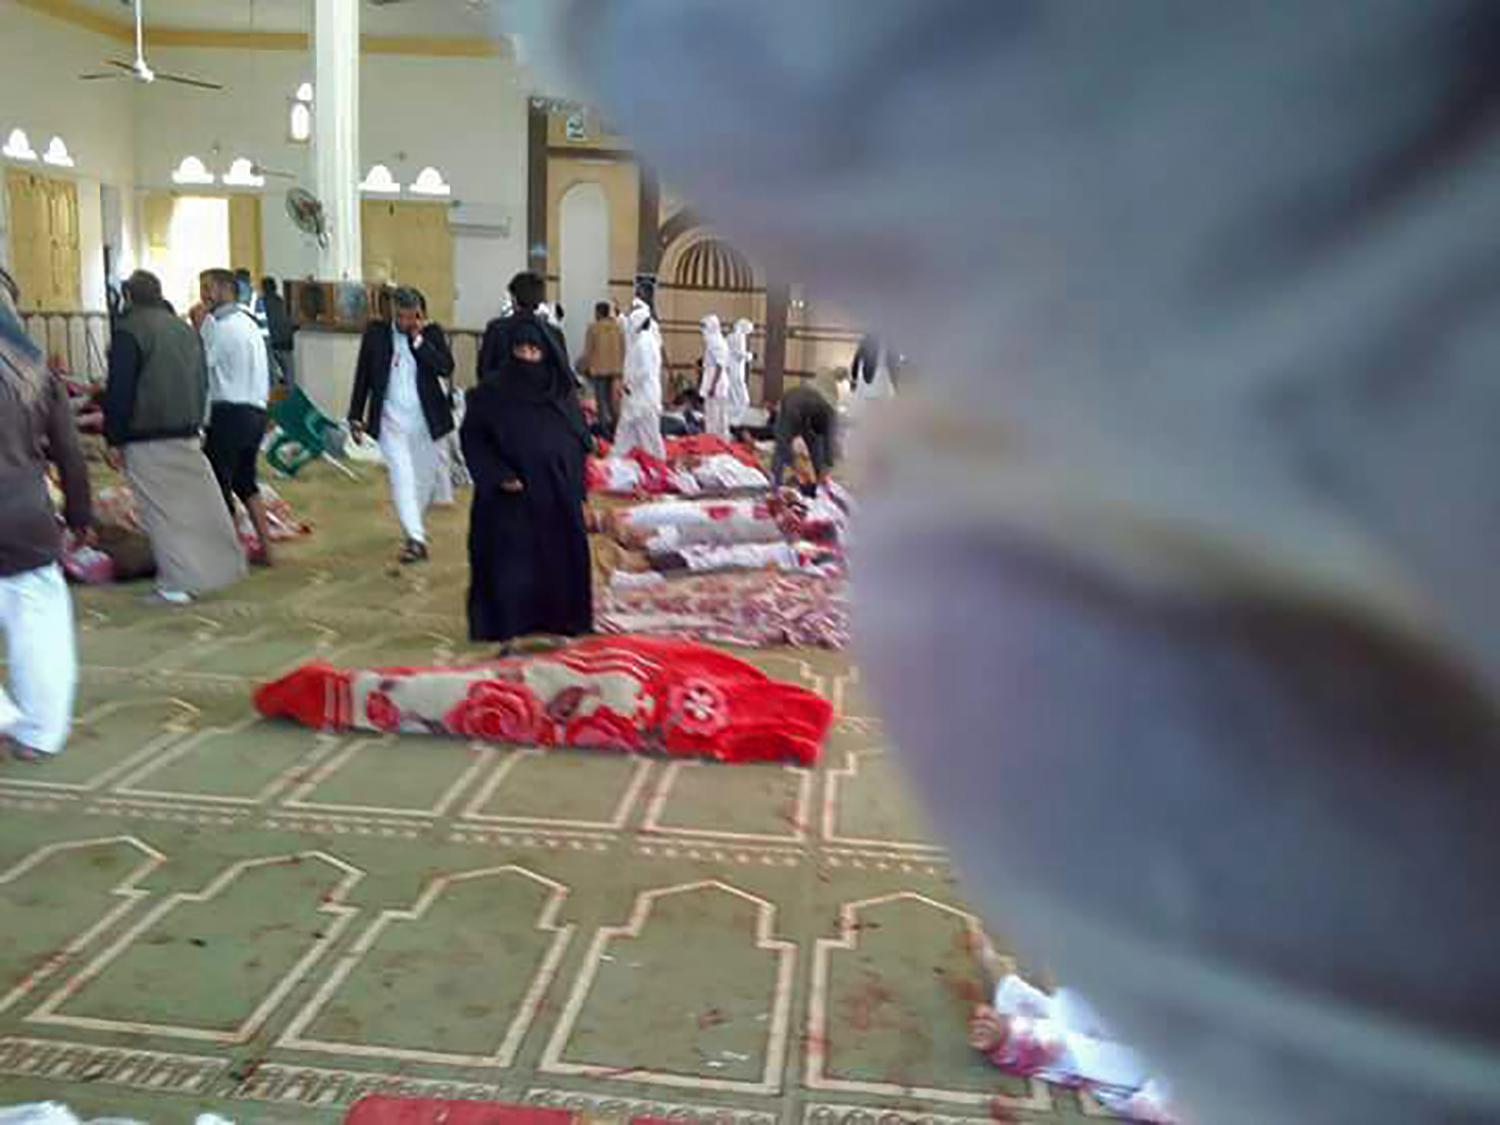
(304,93)
(430,182)
(57,153)
(379,181)
(18,146)
(192,171)
(242,174)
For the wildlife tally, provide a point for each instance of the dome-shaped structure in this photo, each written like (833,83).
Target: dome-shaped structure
(712,264)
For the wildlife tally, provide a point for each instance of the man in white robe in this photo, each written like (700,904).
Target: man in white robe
(640,412)
(739,370)
(715,386)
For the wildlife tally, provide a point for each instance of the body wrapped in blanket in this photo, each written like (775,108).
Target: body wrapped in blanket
(757,610)
(615,693)
(694,465)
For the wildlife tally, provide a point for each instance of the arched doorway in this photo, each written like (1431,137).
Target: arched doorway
(583,252)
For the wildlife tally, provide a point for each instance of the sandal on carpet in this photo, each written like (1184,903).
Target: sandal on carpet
(26,753)
(412,552)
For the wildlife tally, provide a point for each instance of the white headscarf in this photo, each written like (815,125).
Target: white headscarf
(739,338)
(640,313)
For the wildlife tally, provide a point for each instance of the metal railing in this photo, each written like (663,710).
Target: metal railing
(79,341)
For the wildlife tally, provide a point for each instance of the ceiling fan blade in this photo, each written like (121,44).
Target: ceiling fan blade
(184,80)
(92,77)
(122,65)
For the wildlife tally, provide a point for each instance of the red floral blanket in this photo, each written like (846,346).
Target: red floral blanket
(614,693)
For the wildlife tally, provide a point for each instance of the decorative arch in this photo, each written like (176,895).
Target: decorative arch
(712,264)
(678,225)
(700,259)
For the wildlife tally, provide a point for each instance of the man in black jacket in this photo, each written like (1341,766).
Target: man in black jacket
(154,410)
(403,399)
(527,291)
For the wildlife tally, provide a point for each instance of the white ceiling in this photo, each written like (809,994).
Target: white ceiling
(466,18)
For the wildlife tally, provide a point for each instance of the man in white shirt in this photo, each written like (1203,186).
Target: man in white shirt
(239,384)
(403,399)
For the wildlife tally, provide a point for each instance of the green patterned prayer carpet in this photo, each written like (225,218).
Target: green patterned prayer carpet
(205,911)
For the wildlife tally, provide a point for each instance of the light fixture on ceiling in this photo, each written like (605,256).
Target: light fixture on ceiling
(379,181)
(18,146)
(242,173)
(57,154)
(429,181)
(192,171)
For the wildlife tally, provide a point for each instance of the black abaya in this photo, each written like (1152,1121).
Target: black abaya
(528,551)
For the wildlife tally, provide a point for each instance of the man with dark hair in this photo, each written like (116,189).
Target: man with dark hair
(239,387)
(603,364)
(403,398)
(805,413)
(154,407)
(244,289)
(528,290)
(279,327)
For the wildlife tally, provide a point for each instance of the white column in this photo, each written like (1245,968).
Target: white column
(336,135)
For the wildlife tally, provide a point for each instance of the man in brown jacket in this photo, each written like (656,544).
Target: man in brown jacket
(36,613)
(604,362)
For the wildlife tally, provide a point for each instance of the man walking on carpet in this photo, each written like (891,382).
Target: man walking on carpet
(154,407)
(36,614)
(239,387)
(402,398)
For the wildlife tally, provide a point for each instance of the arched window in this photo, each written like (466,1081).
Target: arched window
(299,124)
(57,153)
(429,181)
(192,171)
(18,146)
(242,174)
(380,181)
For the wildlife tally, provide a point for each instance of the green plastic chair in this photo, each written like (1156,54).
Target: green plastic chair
(302,432)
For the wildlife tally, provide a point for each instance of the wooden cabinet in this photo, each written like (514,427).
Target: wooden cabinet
(45,255)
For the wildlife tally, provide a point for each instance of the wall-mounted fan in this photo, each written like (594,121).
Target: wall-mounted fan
(138,69)
(307,212)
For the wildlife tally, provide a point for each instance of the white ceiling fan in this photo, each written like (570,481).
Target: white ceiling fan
(138,69)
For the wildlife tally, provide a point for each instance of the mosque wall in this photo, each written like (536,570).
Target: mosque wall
(411,107)
(39,93)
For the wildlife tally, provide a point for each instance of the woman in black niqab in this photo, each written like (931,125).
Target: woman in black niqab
(524,439)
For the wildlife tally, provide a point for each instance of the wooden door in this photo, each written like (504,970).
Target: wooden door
(409,243)
(244,235)
(378,239)
(45,256)
(65,257)
(424,255)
